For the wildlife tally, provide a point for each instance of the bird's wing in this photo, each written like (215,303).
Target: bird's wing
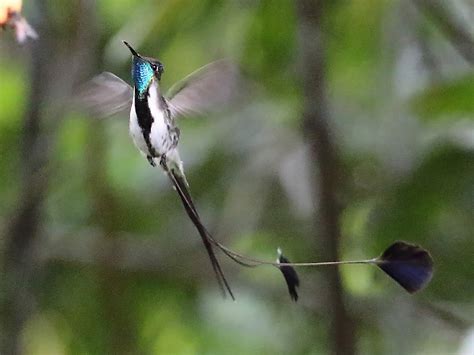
(207,89)
(104,95)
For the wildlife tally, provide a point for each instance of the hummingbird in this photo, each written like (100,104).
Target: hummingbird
(153,128)
(154,116)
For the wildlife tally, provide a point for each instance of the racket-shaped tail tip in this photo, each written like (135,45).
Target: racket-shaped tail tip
(289,273)
(409,265)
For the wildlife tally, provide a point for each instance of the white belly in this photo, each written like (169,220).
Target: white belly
(159,135)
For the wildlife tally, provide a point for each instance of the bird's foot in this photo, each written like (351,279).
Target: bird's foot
(150,160)
(163,162)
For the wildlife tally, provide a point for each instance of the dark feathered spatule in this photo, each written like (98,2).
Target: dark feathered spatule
(409,265)
(290,275)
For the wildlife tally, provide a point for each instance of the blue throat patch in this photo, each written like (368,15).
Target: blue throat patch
(142,73)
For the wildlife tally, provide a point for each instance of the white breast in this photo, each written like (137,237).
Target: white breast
(159,135)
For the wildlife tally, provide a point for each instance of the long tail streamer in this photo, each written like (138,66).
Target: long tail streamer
(409,265)
(180,186)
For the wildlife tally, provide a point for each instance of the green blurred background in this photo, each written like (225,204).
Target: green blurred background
(98,256)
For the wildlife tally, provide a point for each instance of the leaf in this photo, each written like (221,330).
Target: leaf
(452,98)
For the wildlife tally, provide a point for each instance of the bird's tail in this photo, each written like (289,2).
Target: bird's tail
(180,185)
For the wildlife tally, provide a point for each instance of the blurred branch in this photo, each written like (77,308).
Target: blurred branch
(136,253)
(23,228)
(131,253)
(38,133)
(120,335)
(459,36)
(458,323)
(412,18)
(316,129)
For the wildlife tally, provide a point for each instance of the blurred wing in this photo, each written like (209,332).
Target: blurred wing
(104,95)
(207,89)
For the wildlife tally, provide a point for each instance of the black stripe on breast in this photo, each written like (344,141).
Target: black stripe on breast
(145,119)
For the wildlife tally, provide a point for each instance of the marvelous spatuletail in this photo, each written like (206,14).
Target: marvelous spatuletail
(153,128)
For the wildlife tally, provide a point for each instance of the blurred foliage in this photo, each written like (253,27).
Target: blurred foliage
(408,175)
(446,99)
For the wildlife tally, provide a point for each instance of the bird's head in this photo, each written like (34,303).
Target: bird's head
(144,70)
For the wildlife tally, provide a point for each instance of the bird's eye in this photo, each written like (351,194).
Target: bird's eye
(153,66)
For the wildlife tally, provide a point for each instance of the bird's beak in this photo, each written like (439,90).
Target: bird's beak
(134,52)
